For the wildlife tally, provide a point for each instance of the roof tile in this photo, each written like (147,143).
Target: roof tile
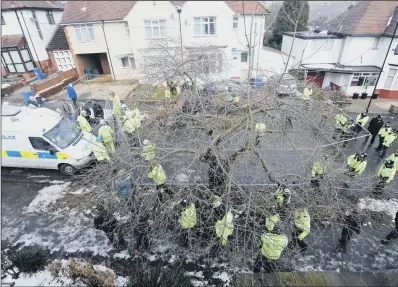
(58,40)
(12,5)
(11,41)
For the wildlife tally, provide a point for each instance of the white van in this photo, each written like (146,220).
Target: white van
(42,138)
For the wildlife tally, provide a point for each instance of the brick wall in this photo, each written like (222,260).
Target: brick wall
(387,94)
(55,85)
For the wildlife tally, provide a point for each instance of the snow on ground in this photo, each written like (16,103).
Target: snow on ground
(42,278)
(223,276)
(182,177)
(389,206)
(46,196)
(123,254)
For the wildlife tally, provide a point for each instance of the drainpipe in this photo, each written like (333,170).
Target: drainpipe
(23,33)
(34,49)
(107,48)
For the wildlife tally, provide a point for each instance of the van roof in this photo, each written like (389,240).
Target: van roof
(34,120)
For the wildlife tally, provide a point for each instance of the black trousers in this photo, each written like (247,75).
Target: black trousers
(346,235)
(380,146)
(268,265)
(166,190)
(315,182)
(384,151)
(392,235)
(372,140)
(295,240)
(74,101)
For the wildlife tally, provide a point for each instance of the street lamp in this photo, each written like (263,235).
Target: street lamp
(179,20)
(382,67)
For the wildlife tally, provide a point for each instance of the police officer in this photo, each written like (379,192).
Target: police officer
(117,113)
(301,228)
(394,158)
(124,185)
(98,111)
(318,170)
(340,122)
(225,227)
(361,121)
(158,175)
(106,222)
(374,127)
(382,134)
(83,123)
(106,132)
(356,163)
(393,234)
(273,244)
(100,151)
(187,220)
(386,174)
(149,150)
(351,223)
(282,196)
(388,141)
(272,220)
(345,133)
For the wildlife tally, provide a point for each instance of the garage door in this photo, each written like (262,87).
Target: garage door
(64,60)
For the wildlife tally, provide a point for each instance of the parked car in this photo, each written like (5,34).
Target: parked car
(287,85)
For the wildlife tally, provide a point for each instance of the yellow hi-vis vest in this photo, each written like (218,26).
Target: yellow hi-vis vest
(270,221)
(225,227)
(387,172)
(307,94)
(116,107)
(235,99)
(158,174)
(357,166)
(84,124)
(302,221)
(340,121)
(389,139)
(394,158)
(260,128)
(362,121)
(273,245)
(188,217)
(130,125)
(100,151)
(149,152)
(280,198)
(318,169)
(106,133)
(384,131)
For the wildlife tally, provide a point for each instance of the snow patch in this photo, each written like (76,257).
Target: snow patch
(80,191)
(199,283)
(152,258)
(389,206)
(222,276)
(198,274)
(124,255)
(42,278)
(45,197)
(32,176)
(182,177)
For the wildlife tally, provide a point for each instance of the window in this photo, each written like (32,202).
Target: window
(361,79)
(155,28)
(210,62)
(132,63)
(390,78)
(396,50)
(126,26)
(375,43)
(235,21)
(205,26)
(243,57)
(37,24)
(40,144)
(128,62)
(50,17)
(85,33)
(2,20)
(330,44)
(64,133)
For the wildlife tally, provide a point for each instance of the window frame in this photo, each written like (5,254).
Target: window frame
(363,79)
(235,21)
(127,29)
(203,24)
(128,62)
(3,22)
(131,62)
(392,77)
(208,62)
(153,26)
(49,147)
(50,17)
(87,27)
(241,57)
(37,24)
(376,42)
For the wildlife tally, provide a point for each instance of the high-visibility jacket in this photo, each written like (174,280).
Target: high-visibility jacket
(302,221)
(394,158)
(362,120)
(158,174)
(149,152)
(130,125)
(270,221)
(384,131)
(84,124)
(340,121)
(225,227)
(282,194)
(106,133)
(273,245)
(389,139)
(356,165)
(387,172)
(346,126)
(307,94)
(100,152)
(188,217)
(259,127)
(318,168)
(135,112)
(235,99)
(117,112)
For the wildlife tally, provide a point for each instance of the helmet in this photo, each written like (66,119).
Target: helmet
(124,106)
(389,164)
(362,156)
(379,116)
(93,102)
(364,114)
(396,152)
(388,124)
(83,113)
(145,142)
(358,154)
(121,172)
(184,202)
(102,122)
(99,138)
(70,85)
(217,202)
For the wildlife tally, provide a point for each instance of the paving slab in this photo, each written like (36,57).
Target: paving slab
(317,279)
(384,278)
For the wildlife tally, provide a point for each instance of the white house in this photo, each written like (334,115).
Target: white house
(122,36)
(26,29)
(348,51)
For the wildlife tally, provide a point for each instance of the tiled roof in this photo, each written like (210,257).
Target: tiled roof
(390,28)
(13,5)
(58,40)
(10,41)
(236,6)
(367,17)
(91,11)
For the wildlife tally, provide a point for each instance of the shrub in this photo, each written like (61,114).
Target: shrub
(30,259)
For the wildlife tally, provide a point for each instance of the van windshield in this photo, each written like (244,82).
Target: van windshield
(63,134)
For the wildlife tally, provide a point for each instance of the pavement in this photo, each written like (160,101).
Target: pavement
(378,106)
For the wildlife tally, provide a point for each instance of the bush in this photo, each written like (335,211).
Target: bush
(30,259)
(144,275)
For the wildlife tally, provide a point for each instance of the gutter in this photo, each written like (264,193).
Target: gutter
(107,48)
(92,22)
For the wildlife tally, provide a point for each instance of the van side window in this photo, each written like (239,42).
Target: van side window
(40,144)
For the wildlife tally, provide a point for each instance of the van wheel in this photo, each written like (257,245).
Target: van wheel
(67,169)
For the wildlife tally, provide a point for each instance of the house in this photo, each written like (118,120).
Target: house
(58,51)
(317,23)
(26,28)
(348,51)
(116,41)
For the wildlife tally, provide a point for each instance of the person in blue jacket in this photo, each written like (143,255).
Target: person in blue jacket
(72,93)
(124,186)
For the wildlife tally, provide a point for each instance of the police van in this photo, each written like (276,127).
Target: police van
(42,138)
